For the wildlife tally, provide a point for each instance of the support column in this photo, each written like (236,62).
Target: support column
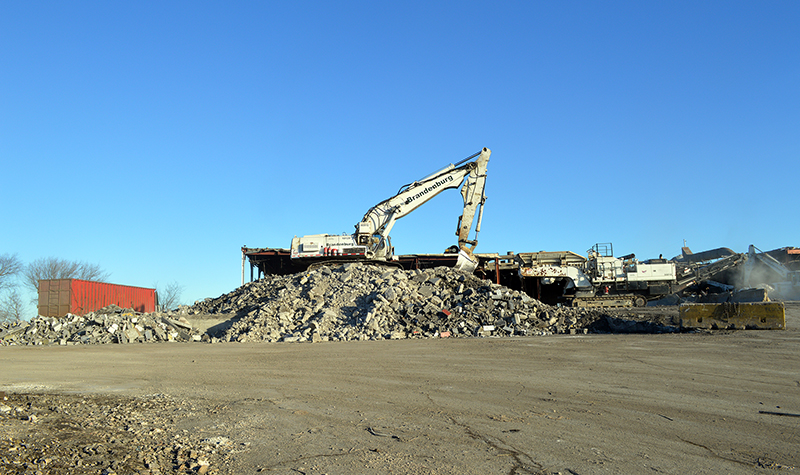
(243,258)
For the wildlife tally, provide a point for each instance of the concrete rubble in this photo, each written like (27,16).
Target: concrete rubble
(111,324)
(366,302)
(347,302)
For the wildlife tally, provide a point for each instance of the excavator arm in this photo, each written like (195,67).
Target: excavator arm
(374,228)
(474,198)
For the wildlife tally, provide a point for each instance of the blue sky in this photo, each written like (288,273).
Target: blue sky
(157,138)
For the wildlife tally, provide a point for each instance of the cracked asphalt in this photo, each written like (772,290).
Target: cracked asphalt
(710,402)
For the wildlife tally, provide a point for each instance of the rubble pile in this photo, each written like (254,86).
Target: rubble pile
(348,302)
(111,324)
(361,302)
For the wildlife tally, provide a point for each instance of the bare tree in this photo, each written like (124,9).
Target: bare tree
(10,267)
(11,307)
(10,301)
(55,268)
(170,296)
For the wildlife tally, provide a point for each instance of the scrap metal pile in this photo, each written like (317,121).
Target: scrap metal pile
(111,324)
(365,302)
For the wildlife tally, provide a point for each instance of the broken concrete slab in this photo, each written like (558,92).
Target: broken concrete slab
(116,326)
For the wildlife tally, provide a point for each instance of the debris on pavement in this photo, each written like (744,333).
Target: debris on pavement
(82,434)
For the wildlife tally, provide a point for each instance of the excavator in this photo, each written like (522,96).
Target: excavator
(371,243)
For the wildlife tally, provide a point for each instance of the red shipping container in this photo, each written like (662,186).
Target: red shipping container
(58,297)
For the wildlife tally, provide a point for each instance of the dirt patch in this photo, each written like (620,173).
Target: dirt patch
(72,434)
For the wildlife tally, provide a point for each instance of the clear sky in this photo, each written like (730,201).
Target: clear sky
(157,138)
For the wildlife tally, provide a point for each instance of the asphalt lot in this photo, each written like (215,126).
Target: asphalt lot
(712,402)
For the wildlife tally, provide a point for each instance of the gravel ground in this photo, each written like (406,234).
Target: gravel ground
(83,434)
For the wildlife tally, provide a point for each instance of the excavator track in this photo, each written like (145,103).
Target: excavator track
(335,263)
